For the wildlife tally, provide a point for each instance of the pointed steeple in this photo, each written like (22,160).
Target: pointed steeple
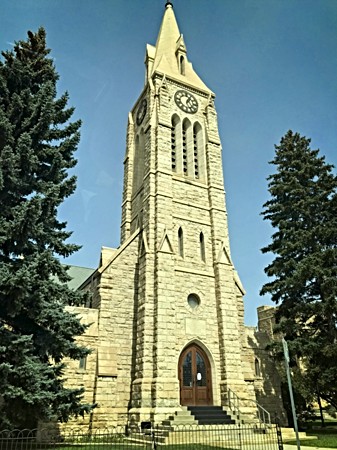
(167,38)
(169,55)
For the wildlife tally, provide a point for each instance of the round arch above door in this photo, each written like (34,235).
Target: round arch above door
(195,377)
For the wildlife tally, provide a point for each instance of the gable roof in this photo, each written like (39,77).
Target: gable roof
(79,275)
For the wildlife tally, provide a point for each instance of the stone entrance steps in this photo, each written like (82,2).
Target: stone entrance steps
(180,417)
(199,415)
(210,415)
(187,421)
(289,434)
(187,418)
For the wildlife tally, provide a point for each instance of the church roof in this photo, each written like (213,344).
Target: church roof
(78,275)
(169,43)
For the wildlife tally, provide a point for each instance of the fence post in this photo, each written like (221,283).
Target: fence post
(154,442)
(279,436)
(240,437)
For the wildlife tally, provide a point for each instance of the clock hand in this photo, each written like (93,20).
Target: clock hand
(189,102)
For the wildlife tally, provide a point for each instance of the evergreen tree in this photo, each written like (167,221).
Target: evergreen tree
(37,142)
(303,210)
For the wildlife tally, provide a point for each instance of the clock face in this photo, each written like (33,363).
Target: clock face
(186,101)
(141,111)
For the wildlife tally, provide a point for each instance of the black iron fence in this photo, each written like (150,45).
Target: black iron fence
(192,437)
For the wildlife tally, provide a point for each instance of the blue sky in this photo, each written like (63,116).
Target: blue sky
(271,63)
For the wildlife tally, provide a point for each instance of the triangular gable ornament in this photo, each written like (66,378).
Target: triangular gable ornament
(210,102)
(144,247)
(224,256)
(163,84)
(165,244)
(181,44)
(138,224)
(209,106)
(162,90)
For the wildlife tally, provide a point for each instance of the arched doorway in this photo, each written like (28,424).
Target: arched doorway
(195,377)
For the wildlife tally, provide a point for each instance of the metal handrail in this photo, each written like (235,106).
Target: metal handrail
(262,414)
(234,404)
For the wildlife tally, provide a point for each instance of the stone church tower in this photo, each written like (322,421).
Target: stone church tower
(167,310)
(188,300)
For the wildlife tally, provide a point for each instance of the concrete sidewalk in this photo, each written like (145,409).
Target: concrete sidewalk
(303,447)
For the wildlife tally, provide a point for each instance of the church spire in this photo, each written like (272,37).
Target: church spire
(169,56)
(167,38)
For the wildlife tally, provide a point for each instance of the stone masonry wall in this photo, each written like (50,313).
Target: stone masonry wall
(261,369)
(76,376)
(116,335)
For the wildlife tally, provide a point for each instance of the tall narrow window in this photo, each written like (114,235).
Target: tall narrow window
(182,65)
(181,242)
(202,247)
(198,152)
(184,152)
(173,150)
(173,147)
(186,146)
(195,155)
(257,368)
(175,142)
(83,363)
(138,161)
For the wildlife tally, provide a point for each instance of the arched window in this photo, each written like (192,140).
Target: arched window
(198,152)
(195,148)
(138,161)
(257,368)
(187,148)
(181,242)
(186,144)
(202,247)
(182,65)
(175,137)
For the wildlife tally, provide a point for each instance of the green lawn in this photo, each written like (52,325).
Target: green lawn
(137,447)
(326,438)
(124,446)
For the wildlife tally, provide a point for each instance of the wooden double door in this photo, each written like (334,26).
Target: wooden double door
(195,377)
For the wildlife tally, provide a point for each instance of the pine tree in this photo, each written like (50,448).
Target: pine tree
(37,332)
(303,210)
